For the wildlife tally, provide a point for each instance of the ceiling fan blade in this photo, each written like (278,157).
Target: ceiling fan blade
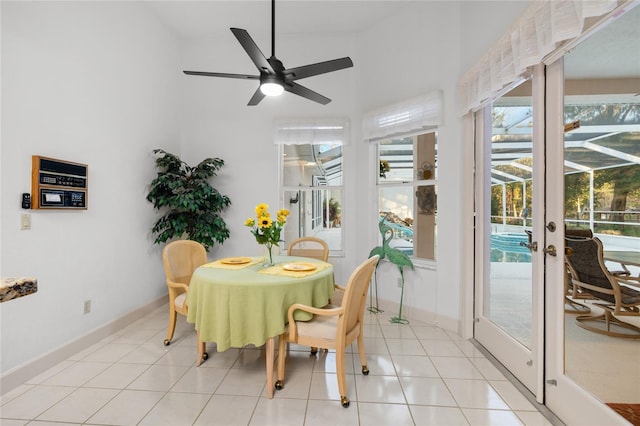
(299,90)
(318,68)
(256,98)
(222,74)
(252,50)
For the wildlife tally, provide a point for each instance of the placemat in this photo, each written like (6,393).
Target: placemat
(278,270)
(220,265)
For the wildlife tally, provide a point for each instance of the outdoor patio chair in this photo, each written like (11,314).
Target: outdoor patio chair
(617,296)
(572,291)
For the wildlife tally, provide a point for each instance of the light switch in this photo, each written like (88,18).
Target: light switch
(25,221)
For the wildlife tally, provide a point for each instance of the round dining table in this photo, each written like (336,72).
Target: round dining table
(236,302)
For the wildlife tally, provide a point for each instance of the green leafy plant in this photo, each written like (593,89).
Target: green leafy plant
(192,206)
(384,168)
(334,212)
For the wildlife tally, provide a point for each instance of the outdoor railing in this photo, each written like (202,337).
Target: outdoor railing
(629,227)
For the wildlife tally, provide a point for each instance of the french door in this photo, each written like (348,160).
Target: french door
(509,264)
(575,385)
(523,156)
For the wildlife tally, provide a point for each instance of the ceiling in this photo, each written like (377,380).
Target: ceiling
(213,18)
(612,52)
(205,19)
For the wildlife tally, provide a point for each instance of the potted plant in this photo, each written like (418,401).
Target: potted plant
(192,206)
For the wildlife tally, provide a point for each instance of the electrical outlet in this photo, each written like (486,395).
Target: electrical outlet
(399,282)
(87,306)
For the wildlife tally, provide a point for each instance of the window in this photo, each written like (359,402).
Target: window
(407,193)
(406,181)
(312,179)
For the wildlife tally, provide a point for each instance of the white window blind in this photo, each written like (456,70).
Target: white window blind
(534,35)
(312,131)
(409,116)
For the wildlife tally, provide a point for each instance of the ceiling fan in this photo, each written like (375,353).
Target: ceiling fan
(274,77)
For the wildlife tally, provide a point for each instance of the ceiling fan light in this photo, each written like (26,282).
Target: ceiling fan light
(271,88)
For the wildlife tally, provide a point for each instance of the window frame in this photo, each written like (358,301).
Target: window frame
(414,184)
(285,189)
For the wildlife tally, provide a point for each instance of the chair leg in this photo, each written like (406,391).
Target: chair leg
(363,355)
(282,343)
(342,377)
(172,326)
(571,307)
(607,319)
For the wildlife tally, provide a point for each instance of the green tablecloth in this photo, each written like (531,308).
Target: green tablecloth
(238,307)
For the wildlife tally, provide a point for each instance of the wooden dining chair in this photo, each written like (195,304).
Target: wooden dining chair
(316,248)
(180,259)
(313,247)
(332,328)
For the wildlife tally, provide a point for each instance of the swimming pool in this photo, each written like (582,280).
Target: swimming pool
(507,247)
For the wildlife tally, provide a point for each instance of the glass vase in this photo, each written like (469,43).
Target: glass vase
(268,257)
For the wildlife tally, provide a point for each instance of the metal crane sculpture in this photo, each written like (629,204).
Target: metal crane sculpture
(396,257)
(380,251)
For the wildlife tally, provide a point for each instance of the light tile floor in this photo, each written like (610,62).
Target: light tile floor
(420,375)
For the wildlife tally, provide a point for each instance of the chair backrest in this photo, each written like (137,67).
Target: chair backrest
(587,265)
(355,295)
(576,232)
(181,258)
(313,247)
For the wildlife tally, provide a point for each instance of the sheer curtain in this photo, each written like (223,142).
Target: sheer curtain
(537,33)
(402,118)
(316,131)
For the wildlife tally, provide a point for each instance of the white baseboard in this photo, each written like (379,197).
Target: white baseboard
(22,373)
(412,312)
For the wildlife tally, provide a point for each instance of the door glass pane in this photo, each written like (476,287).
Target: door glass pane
(602,197)
(315,205)
(315,213)
(507,297)
(312,165)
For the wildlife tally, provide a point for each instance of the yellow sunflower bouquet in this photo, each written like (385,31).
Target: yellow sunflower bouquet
(265,229)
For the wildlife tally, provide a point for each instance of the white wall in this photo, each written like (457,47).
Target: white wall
(425,47)
(93,83)
(482,23)
(100,83)
(416,52)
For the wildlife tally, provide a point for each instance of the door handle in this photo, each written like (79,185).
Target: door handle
(533,246)
(551,250)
